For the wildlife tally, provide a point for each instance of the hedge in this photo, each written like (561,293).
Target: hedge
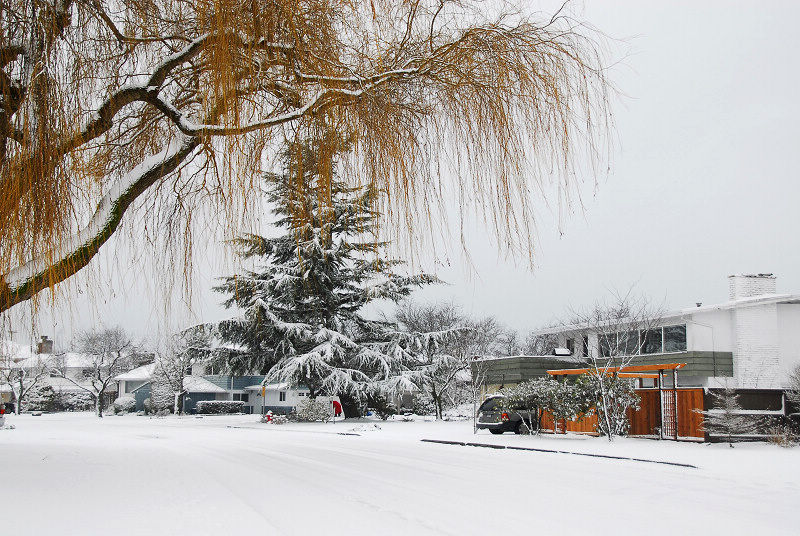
(209,407)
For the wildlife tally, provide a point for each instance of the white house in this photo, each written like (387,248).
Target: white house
(750,342)
(277,397)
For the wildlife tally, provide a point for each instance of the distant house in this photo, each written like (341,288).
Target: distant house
(279,398)
(75,367)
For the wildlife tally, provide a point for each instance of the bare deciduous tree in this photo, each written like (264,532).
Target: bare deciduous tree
(536,344)
(103,354)
(168,106)
(22,377)
(174,364)
(622,326)
(443,341)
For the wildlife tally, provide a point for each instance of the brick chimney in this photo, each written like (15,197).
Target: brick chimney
(750,285)
(44,346)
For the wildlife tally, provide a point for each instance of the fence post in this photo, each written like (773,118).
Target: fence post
(675,399)
(661,402)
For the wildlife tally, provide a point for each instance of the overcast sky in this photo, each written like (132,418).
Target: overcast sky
(703,182)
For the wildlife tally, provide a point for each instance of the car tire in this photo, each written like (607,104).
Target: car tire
(522,429)
(496,431)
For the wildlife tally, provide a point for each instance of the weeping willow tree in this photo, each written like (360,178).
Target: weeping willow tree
(148,113)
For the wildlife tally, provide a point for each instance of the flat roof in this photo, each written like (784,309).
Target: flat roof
(622,370)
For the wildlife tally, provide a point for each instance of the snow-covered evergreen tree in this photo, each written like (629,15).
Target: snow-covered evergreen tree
(726,417)
(301,322)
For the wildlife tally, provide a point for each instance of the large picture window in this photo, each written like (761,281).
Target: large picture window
(652,341)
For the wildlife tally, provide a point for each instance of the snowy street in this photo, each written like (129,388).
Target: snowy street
(66,473)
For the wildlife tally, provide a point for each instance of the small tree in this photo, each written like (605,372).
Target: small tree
(613,398)
(726,417)
(422,337)
(173,365)
(105,353)
(23,378)
(622,326)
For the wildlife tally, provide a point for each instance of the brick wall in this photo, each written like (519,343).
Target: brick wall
(756,362)
(750,285)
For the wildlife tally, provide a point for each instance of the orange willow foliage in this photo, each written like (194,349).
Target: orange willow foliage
(162,107)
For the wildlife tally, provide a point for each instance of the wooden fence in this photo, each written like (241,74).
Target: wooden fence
(646,421)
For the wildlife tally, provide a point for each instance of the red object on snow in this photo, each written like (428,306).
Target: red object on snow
(337,408)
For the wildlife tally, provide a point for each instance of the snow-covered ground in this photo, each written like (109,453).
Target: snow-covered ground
(75,474)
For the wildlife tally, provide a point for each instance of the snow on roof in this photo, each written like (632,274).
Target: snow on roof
(15,351)
(560,358)
(196,384)
(281,386)
(63,385)
(764,299)
(143,373)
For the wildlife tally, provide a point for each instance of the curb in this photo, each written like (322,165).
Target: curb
(532,449)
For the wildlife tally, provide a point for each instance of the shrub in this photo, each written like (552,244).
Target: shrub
(383,407)
(276,419)
(783,435)
(209,407)
(41,398)
(313,410)
(149,406)
(422,404)
(76,401)
(124,404)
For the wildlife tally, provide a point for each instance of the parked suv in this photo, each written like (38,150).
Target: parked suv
(2,415)
(492,417)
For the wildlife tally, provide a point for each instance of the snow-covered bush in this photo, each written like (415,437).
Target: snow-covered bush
(76,401)
(45,398)
(382,406)
(313,410)
(422,404)
(275,419)
(42,398)
(149,406)
(208,407)
(783,435)
(124,404)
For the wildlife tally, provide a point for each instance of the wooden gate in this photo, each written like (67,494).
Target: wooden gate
(647,420)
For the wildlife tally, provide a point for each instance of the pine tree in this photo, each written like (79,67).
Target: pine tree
(301,322)
(727,419)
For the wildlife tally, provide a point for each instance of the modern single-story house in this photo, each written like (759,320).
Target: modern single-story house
(750,343)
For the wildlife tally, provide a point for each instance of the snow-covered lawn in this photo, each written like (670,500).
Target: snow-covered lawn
(75,474)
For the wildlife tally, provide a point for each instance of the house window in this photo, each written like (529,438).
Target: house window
(605,344)
(585,348)
(244,397)
(571,346)
(675,338)
(282,396)
(652,341)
